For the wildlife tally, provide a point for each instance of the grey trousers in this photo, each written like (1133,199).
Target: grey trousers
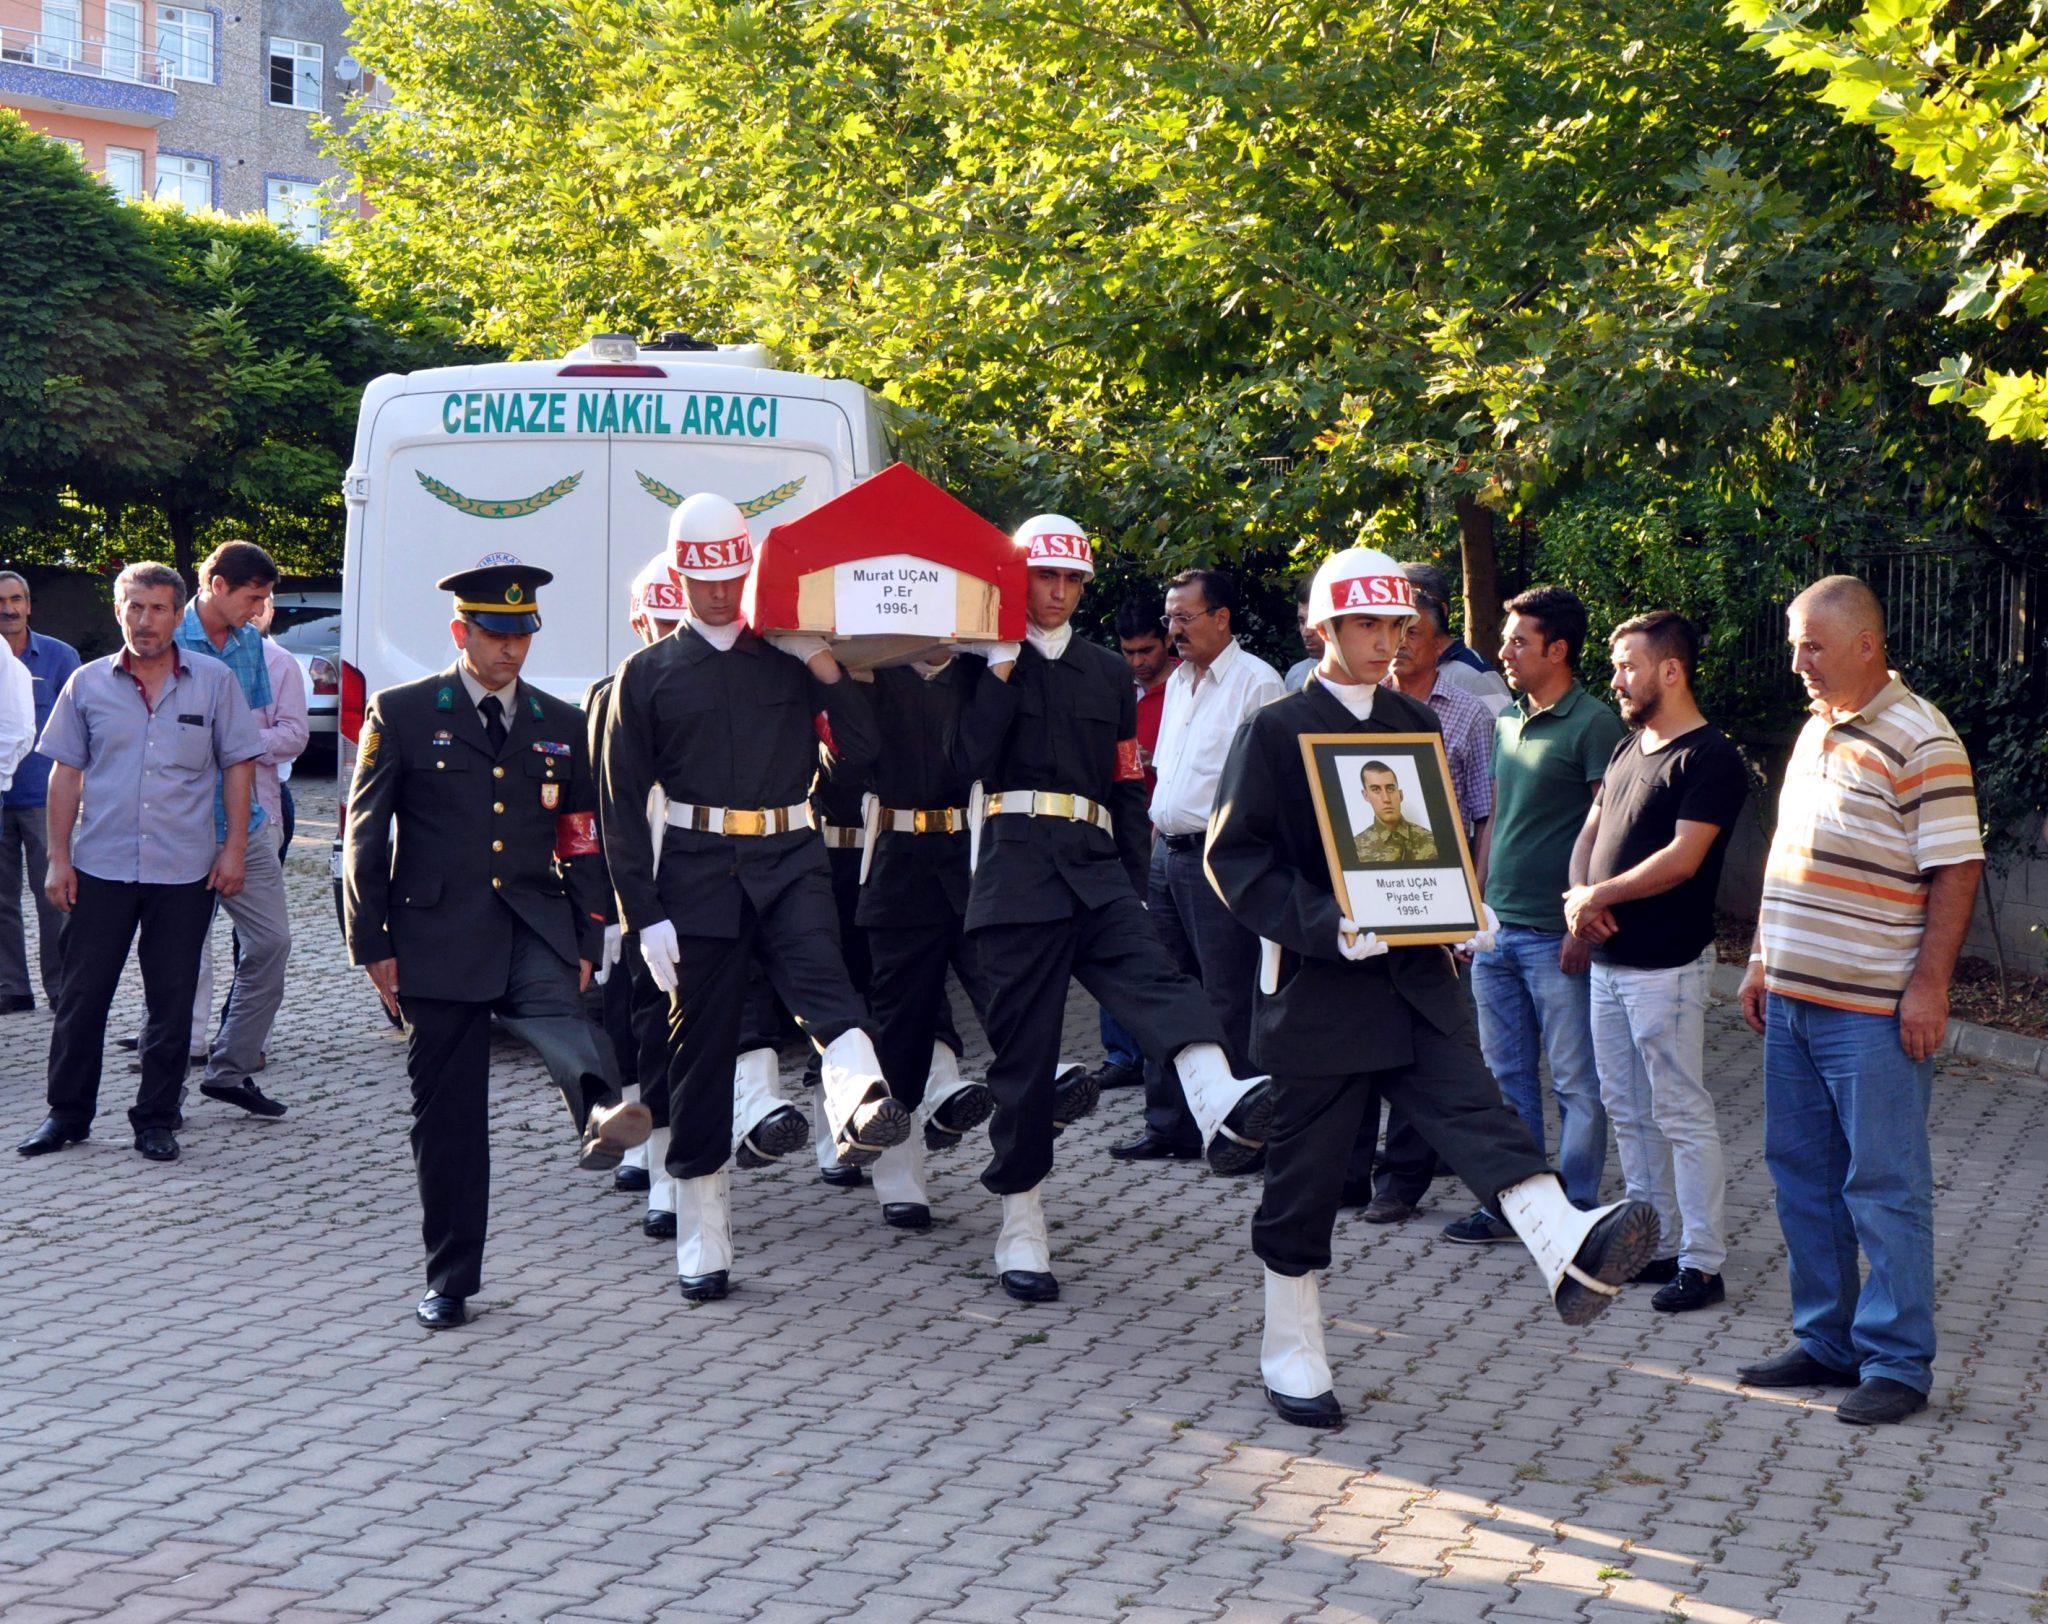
(264,924)
(24,843)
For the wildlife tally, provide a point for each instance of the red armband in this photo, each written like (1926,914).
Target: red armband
(823,724)
(576,834)
(1129,769)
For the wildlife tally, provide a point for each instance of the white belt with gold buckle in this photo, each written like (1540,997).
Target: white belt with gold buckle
(728,820)
(1045,803)
(938,820)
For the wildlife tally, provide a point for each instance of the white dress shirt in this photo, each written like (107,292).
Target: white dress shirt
(282,723)
(17,714)
(1203,710)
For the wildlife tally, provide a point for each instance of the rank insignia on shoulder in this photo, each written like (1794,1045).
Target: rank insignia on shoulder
(550,747)
(366,752)
(551,795)
(445,699)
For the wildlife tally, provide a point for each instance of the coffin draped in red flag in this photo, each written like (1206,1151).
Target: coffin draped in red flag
(887,572)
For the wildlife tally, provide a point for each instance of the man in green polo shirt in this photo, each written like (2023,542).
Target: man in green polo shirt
(1550,749)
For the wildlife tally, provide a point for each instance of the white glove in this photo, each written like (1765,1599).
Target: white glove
(613,935)
(994,653)
(658,947)
(1483,941)
(801,644)
(1356,945)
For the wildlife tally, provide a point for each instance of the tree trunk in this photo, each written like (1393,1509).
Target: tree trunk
(1478,547)
(184,532)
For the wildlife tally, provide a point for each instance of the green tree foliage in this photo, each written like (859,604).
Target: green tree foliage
(93,380)
(168,378)
(1222,279)
(1954,92)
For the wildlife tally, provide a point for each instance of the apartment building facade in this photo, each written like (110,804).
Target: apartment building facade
(209,104)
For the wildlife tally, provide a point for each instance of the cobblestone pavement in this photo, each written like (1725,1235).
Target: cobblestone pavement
(217,1405)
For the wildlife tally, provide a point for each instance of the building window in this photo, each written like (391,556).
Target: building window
(185,180)
(185,37)
(61,42)
(122,54)
(294,208)
(75,148)
(294,74)
(124,172)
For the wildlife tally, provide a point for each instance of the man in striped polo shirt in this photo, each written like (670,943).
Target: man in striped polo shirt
(1867,897)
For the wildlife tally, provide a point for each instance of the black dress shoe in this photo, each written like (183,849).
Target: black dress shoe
(658,1225)
(158,1144)
(247,1095)
(130,1044)
(439,1313)
(1659,1271)
(906,1215)
(1321,1411)
(1152,1147)
(1029,1286)
(1795,1367)
(19,1003)
(703,1288)
(1251,1121)
(632,1180)
(1879,1402)
(1690,1290)
(1114,1074)
(52,1135)
(842,1178)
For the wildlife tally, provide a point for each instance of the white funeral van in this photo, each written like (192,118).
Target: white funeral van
(572,465)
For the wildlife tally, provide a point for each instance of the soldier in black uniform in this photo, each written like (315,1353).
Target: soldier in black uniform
(838,801)
(489,898)
(1338,1014)
(635,1009)
(1050,733)
(727,727)
(912,906)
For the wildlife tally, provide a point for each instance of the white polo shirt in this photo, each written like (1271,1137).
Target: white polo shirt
(1202,714)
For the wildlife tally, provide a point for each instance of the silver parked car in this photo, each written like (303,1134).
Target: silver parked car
(307,626)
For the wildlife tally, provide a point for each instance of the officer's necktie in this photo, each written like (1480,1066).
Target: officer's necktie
(494,720)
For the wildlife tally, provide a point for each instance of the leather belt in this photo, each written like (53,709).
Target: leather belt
(727,820)
(843,836)
(1182,842)
(941,820)
(1045,803)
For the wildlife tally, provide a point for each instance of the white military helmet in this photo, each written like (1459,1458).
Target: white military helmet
(655,593)
(1052,541)
(708,540)
(1359,581)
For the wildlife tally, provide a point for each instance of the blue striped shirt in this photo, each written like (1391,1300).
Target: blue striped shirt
(243,655)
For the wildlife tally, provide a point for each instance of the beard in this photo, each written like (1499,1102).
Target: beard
(1640,712)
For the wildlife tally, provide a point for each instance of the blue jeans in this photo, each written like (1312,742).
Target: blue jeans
(1845,1138)
(1529,1011)
(1119,1048)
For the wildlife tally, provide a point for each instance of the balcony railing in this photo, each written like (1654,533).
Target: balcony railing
(88,55)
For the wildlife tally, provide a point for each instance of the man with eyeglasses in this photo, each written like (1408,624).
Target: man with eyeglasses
(1217,685)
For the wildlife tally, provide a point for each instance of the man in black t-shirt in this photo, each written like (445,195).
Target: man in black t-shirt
(1644,872)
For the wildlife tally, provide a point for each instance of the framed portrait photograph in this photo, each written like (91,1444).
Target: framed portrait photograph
(1393,835)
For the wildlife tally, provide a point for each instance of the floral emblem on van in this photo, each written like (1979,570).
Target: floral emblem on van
(752,509)
(515,507)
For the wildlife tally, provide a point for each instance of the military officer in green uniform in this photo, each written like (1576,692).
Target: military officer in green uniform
(472,885)
(1392,838)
